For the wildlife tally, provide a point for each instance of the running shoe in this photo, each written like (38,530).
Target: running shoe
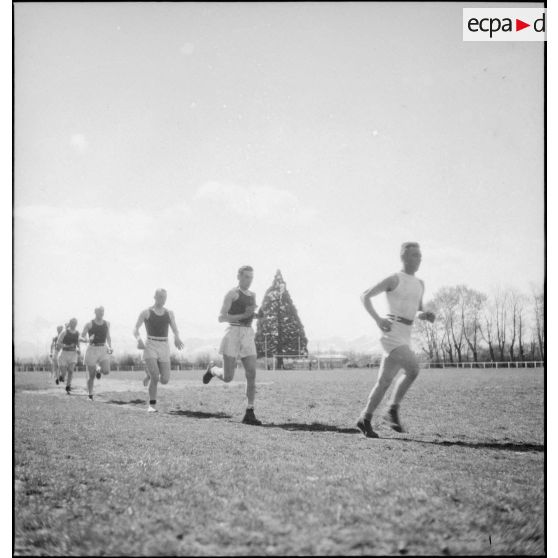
(250,418)
(392,418)
(365,426)
(208,375)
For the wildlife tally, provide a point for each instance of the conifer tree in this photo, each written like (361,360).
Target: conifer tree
(280,331)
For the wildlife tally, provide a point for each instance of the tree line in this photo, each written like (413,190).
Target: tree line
(472,326)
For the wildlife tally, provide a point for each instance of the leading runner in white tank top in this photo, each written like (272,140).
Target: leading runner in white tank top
(404,301)
(404,294)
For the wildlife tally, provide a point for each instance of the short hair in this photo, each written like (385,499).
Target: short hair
(59,328)
(160,291)
(245,268)
(99,308)
(406,245)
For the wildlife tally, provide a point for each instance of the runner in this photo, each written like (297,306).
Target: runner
(156,352)
(68,341)
(97,356)
(404,294)
(238,311)
(54,370)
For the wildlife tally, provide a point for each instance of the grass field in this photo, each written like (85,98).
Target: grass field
(107,478)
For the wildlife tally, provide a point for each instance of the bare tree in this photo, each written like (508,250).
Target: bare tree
(515,302)
(500,320)
(538,307)
(446,301)
(428,336)
(487,330)
(471,303)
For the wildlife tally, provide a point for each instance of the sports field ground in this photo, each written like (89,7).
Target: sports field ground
(107,478)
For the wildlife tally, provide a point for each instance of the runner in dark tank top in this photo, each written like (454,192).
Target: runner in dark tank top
(97,356)
(157,326)
(238,311)
(156,352)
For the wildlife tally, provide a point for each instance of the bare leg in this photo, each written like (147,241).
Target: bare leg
(164,369)
(411,369)
(91,379)
(105,366)
(153,371)
(62,368)
(249,363)
(70,375)
(386,374)
(226,374)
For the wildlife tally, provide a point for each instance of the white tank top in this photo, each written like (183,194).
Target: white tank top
(404,300)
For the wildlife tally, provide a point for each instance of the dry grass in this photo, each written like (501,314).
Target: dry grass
(106,478)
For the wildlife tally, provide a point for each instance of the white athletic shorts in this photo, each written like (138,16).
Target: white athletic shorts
(67,357)
(238,342)
(159,350)
(96,355)
(400,334)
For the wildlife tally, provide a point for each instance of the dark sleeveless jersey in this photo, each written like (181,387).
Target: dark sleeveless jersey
(70,340)
(99,331)
(157,326)
(239,307)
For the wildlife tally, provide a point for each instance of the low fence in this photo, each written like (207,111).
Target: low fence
(308,365)
(488,364)
(113,368)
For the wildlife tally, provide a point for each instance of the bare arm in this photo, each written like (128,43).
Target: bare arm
(142,317)
(177,342)
(259,314)
(388,284)
(109,340)
(224,316)
(430,316)
(83,337)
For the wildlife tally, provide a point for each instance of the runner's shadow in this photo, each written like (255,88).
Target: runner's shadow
(199,414)
(506,446)
(132,402)
(314,427)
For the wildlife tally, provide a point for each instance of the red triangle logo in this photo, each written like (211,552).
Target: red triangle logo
(519,25)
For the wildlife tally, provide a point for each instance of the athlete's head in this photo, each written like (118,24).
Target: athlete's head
(160,297)
(411,256)
(99,313)
(245,276)
(72,323)
(59,329)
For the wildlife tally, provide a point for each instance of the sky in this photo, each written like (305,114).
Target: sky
(164,145)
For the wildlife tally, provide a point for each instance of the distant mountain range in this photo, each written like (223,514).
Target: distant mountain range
(33,348)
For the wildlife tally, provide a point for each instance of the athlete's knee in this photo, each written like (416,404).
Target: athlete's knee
(412,372)
(227,377)
(383,382)
(165,379)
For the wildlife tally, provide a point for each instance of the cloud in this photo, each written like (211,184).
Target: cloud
(259,202)
(83,223)
(79,142)
(187,49)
